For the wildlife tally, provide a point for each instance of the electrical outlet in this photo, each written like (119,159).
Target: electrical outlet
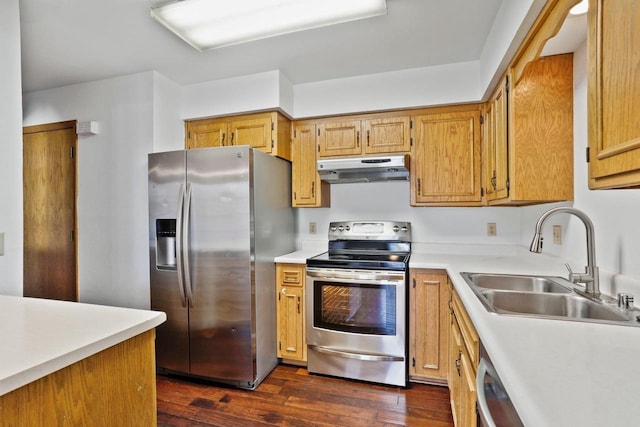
(557,234)
(492,229)
(313,228)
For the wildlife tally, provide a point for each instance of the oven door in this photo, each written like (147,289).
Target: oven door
(356,324)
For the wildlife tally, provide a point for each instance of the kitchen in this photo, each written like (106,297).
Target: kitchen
(142,112)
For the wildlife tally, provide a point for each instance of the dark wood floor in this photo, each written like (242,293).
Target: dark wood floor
(290,396)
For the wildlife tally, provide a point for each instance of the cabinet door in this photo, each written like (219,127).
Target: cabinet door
(497,155)
(468,396)
(453,378)
(206,133)
(339,138)
(305,181)
(446,159)
(387,135)
(613,94)
(429,325)
(255,132)
(290,311)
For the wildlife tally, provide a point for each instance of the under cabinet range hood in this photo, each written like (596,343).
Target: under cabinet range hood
(364,169)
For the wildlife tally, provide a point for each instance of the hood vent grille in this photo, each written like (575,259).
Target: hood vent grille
(364,169)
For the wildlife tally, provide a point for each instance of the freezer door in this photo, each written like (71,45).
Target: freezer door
(219,217)
(166,183)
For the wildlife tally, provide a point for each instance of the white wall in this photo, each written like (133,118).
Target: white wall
(262,91)
(390,201)
(417,87)
(112,182)
(614,213)
(10,150)
(168,128)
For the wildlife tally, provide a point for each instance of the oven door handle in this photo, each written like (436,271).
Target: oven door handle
(334,275)
(358,356)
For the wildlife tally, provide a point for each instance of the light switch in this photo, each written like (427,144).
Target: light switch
(1,244)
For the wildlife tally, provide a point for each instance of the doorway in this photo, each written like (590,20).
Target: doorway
(49,206)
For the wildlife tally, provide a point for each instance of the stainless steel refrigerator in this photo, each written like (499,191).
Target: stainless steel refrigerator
(218,217)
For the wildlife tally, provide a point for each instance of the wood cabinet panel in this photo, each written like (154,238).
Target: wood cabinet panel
(446,159)
(613,93)
(339,138)
(116,386)
(464,353)
(269,132)
(387,135)
(290,281)
(205,133)
(255,132)
(307,189)
(429,324)
(529,130)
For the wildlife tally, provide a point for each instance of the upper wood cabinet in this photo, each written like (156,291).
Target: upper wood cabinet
(429,325)
(307,189)
(343,137)
(529,136)
(614,94)
(445,158)
(269,132)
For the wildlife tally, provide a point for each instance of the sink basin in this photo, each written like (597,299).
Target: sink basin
(569,306)
(516,283)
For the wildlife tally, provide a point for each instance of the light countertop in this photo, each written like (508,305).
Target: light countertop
(41,336)
(557,373)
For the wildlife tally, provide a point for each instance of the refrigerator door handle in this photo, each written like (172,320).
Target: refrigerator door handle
(179,262)
(186,242)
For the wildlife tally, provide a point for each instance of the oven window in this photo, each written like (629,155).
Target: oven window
(348,307)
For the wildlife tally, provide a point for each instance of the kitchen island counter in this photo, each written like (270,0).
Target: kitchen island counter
(53,348)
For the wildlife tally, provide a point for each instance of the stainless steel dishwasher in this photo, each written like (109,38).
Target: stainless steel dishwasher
(494,406)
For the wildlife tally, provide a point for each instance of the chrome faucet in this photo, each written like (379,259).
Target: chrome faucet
(590,277)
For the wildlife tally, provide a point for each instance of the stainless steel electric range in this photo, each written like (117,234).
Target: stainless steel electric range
(357,302)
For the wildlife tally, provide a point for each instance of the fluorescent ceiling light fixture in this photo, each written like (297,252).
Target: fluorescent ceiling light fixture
(207,24)
(581,8)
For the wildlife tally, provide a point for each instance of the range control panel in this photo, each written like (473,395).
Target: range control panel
(370,230)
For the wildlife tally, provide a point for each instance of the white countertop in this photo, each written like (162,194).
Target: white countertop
(557,373)
(41,336)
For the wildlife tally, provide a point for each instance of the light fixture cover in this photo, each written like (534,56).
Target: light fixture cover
(207,24)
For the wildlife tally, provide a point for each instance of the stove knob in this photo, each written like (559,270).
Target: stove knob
(347,228)
(333,228)
(405,229)
(396,228)
(341,228)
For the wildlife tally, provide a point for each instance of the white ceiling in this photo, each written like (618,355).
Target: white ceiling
(72,41)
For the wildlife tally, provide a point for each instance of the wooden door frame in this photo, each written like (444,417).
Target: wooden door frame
(69,124)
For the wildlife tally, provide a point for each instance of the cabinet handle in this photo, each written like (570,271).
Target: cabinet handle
(298,305)
(368,144)
(232,135)
(313,189)
(358,139)
(493,180)
(458,365)
(419,187)
(222,141)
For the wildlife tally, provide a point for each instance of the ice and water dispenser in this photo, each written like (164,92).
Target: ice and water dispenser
(166,244)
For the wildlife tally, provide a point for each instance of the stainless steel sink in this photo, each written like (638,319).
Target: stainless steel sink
(518,283)
(545,297)
(557,305)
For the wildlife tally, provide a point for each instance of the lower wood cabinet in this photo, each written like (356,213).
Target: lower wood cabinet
(464,357)
(290,282)
(429,323)
(115,387)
